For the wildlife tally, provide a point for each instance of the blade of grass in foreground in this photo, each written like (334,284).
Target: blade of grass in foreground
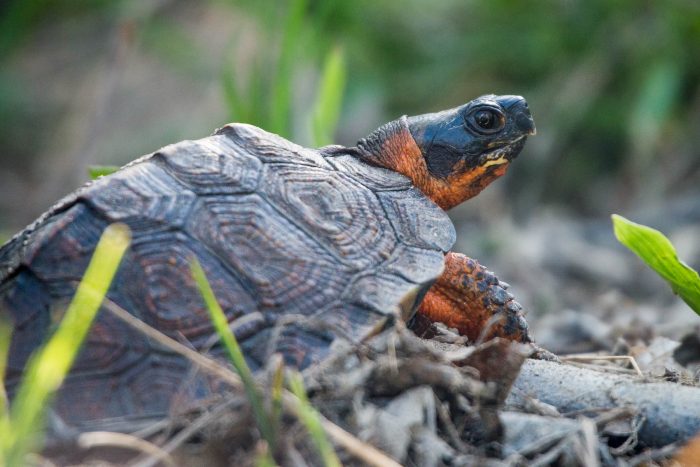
(277,390)
(5,336)
(229,340)
(309,417)
(658,253)
(47,368)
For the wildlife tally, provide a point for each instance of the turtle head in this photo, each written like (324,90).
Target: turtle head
(454,154)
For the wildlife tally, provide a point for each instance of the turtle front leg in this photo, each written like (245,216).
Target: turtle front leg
(470,298)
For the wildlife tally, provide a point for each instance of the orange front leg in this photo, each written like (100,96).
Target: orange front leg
(470,298)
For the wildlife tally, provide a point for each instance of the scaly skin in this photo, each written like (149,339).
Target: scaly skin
(471,299)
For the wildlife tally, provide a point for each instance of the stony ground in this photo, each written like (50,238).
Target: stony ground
(584,291)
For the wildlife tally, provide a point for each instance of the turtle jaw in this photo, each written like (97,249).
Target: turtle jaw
(504,153)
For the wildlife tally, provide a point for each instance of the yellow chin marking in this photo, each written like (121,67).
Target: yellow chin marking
(499,161)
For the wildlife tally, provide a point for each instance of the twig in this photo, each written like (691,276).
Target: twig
(589,358)
(550,455)
(653,455)
(633,438)
(152,429)
(208,364)
(363,451)
(588,443)
(93,439)
(182,436)
(607,414)
(450,429)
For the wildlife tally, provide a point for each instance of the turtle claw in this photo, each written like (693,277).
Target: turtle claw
(471,299)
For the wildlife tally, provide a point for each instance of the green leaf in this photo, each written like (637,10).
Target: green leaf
(658,252)
(309,417)
(48,367)
(325,115)
(235,354)
(97,171)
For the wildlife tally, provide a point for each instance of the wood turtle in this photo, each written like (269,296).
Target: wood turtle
(302,247)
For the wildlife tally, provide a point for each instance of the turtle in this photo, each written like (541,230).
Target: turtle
(304,249)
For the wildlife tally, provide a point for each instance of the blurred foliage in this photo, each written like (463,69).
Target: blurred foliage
(658,253)
(329,100)
(613,86)
(20,16)
(265,99)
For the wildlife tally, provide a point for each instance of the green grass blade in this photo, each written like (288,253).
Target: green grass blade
(97,171)
(229,340)
(48,367)
(264,459)
(259,92)
(277,390)
(5,336)
(309,417)
(659,254)
(324,119)
(237,108)
(282,86)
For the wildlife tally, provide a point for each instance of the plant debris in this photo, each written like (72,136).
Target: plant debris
(419,402)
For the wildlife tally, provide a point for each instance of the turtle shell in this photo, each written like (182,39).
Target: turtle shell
(301,250)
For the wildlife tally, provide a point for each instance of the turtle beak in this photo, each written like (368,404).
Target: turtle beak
(525,122)
(517,107)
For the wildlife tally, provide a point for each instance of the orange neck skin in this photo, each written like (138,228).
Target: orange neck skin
(393,147)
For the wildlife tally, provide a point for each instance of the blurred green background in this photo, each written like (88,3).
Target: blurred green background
(614,87)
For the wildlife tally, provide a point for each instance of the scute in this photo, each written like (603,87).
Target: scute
(10,255)
(349,320)
(163,290)
(300,252)
(374,178)
(24,300)
(418,221)
(385,293)
(143,194)
(348,219)
(415,264)
(280,264)
(113,348)
(60,248)
(268,147)
(210,167)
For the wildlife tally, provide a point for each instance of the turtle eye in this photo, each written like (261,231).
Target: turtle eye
(487,121)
